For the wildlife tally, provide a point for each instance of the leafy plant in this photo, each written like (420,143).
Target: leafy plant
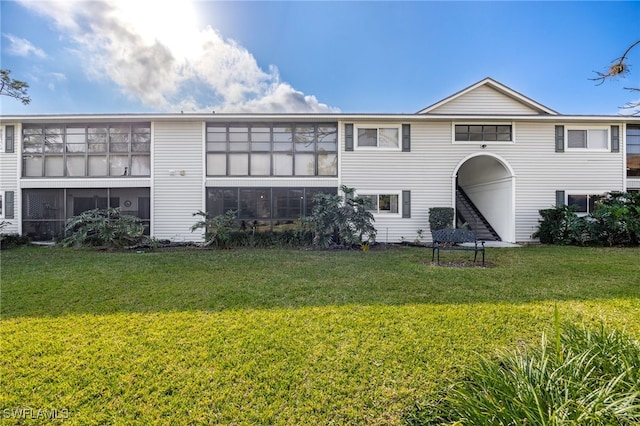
(440,217)
(561,225)
(219,231)
(616,220)
(590,379)
(341,220)
(103,227)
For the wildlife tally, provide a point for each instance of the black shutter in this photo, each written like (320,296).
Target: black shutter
(9,137)
(615,138)
(559,198)
(9,205)
(348,137)
(406,204)
(406,137)
(559,138)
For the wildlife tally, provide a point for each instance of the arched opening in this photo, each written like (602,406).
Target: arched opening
(484,188)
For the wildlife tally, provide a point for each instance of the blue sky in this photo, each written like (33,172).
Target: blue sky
(387,57)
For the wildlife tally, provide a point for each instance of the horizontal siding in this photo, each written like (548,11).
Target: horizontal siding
(178,179)
(484,100)
(427,171)
(541,171)
(9,179)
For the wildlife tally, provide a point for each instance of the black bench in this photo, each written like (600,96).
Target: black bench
(449,238)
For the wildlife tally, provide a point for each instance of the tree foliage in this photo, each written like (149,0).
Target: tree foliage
(13,88)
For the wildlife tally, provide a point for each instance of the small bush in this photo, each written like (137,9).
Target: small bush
(220,231)
(561,225)
(587,377)
(105,228)
(440,218)
(12,240)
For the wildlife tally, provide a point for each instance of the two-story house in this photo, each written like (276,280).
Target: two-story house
(495,155)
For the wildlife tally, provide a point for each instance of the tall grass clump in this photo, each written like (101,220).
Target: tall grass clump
(591,378)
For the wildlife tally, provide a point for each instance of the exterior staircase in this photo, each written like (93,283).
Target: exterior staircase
(467,212)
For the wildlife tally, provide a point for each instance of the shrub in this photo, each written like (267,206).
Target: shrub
(616,220)
(440,217)
(341,220)
(220,231)
(587,377)
(103,227)
(561,225)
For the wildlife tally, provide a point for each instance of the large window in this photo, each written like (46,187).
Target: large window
(483,133)
(45,211)
(101,150)
(596,138)
(267,149)
(264,208)
(378,137)
(633,151)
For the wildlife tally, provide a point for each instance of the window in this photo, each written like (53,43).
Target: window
(633,151)
(583,203)
(378,137)
(483,133)
(272,149)
(1,206)
(78,150)
(264,208)
(45,211)
(388,203)
(593,138)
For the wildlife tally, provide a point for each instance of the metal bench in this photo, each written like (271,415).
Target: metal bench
(450,238)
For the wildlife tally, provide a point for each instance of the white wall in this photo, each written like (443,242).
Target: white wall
(177,189)
(9,177)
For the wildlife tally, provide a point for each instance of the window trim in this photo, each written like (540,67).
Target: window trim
(376,212)
(567,128)
(377,126)
(512,124)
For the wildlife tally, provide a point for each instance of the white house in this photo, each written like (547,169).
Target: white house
(495,155)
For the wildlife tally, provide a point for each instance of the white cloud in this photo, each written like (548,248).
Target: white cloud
(155,53)
(22,47)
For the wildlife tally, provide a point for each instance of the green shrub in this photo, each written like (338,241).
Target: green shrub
(105,228)
(588,377)
(561,225)
(12,240)
(220,231)
(616,220)
(440,217)
(341,220)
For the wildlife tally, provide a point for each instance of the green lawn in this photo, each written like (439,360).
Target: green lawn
(278,336)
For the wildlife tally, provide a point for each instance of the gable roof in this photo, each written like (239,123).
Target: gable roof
(504,91)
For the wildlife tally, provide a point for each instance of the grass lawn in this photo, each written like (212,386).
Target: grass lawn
(278,336)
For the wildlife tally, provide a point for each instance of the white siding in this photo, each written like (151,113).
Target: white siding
(178,179)
(484,100)
(9,177)
(425,171)
(541,171)
(428,169)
